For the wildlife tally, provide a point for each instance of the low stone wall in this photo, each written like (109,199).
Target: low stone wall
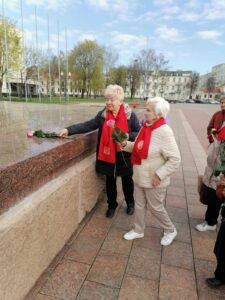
(24,177)
(43,198)
(34,230)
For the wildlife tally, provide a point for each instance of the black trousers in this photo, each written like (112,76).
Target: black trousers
(213,209)
(219,250)
(111,190)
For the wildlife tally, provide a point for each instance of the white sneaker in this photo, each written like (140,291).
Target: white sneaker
(204,227)
(168,238)
(131,235)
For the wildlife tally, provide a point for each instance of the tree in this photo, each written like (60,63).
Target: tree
(210,84)
(193,83)
(10,56)
(134,73)
(87,59)
(110,58)
(32,60)
(118,76)
(152,64)
(49,70)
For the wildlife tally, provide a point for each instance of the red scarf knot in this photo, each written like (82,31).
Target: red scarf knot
(142,142)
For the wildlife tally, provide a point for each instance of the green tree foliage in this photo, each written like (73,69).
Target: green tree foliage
(134,73)
(13,55)
(118,76)
(87,61)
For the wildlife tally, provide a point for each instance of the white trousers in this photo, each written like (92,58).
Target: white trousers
(152,199)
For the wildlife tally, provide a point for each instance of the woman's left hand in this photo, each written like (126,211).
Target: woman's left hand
(155,180)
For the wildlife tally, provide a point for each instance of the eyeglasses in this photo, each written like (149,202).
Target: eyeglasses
(109,99)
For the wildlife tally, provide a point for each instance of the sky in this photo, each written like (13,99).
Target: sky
(190,34)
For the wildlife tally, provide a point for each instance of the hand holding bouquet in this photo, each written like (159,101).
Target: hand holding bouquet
(118,136)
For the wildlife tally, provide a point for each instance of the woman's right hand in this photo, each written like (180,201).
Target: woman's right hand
(123,143)
(63,132)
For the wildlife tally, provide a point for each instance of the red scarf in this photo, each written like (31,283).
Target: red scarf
(107,147)
(142,142)
(221,134)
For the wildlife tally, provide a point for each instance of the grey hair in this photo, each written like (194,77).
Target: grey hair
(115,90)
(160,106)
(222,98)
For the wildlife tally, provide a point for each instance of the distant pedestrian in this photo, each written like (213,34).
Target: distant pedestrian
(217,120)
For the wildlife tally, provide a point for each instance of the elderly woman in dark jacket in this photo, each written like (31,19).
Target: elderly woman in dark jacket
(109,160)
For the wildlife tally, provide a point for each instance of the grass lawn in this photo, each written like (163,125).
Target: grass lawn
(57,100)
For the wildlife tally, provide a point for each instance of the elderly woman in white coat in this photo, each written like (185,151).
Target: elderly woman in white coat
(155,156)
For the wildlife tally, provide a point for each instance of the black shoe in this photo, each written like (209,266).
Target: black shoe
(110,212)
(214,282)
(130,209)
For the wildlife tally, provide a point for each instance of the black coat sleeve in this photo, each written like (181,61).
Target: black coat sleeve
(134,127)
(87,126)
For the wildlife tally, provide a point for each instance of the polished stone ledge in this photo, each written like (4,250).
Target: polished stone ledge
(24,177)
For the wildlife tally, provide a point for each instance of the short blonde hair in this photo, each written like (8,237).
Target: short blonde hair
(114,90)
(160,106)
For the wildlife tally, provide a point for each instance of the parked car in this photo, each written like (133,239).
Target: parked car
(211,101)
(199,101)
(189,101)
(172,100)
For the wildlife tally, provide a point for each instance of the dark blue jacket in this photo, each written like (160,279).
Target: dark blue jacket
(119,168)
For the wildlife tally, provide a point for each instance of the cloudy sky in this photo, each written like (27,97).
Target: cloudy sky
(191,34)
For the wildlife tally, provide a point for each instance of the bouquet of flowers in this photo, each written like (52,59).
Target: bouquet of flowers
(118,136)
(41,134)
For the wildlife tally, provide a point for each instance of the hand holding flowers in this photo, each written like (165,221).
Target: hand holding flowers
(118,136)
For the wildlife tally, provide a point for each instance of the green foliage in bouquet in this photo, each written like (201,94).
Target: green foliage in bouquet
(118,136)
(42,134)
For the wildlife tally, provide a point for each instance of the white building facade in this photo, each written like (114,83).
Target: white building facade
(171,85)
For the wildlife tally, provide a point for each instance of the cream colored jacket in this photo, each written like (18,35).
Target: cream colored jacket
(163,158)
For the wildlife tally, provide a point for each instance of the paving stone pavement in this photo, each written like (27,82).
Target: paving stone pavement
(97,264)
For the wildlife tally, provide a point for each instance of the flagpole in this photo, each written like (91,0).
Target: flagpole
(23,47)
(6,50)
(38,73)
(66,64)
(59,64)
(49,64)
